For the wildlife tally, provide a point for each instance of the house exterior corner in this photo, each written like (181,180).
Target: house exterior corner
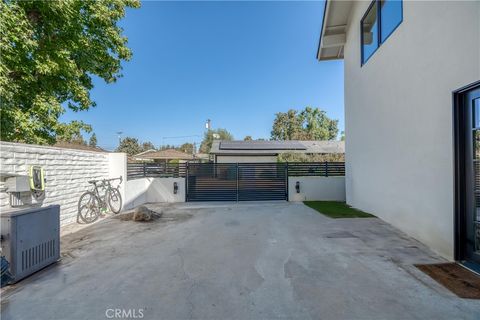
(399,117)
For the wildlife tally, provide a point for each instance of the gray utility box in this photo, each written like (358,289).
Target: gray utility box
(30,239)
(17,184)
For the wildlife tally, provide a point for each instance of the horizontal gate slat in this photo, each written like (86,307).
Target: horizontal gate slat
(211,182)
(261,182)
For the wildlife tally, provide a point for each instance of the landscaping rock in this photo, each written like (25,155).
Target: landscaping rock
(142,213)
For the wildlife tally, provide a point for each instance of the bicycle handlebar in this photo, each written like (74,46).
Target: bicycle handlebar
(112,179)
(106,180)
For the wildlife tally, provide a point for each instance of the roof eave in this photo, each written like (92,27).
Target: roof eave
(322,30)
(334,28)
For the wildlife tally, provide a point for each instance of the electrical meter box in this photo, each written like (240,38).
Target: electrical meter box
(37,179)
(17,184)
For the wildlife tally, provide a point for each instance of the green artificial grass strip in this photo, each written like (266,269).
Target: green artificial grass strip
(336,209)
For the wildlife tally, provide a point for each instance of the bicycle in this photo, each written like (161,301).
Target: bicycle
(92,203)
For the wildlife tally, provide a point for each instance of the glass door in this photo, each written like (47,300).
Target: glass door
(472,170)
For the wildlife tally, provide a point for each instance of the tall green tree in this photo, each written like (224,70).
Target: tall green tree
(302,157)
(166,147)
(93,141)
(287,126)
(187,147)
(248,138)
(74,138)
(49,52)
(147,146)
(72,133)
(210,135)
(308,124)
(130,146)
(317,125)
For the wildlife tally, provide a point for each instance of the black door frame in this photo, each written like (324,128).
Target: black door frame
(459,144)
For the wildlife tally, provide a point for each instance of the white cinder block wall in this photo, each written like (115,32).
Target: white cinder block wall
(398,115)
(316,189)
(66,171)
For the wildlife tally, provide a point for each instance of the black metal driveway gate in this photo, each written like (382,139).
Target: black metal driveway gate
(237,181)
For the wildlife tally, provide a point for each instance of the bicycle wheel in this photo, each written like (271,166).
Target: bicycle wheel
(88,207)
(114,200)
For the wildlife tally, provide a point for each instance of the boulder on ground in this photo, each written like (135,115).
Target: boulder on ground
(142,213)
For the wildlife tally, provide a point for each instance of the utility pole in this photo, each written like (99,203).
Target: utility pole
(119,133)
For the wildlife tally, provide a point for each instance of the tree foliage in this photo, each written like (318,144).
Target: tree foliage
(210,135)
(50,51)
(147,146)
(187,147)
(287,126)
(93,141)
(130,146)
(302,157)
(308,124)
(74,138)
(248,138)
(166,147)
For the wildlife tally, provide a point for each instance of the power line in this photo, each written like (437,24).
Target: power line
(181,137)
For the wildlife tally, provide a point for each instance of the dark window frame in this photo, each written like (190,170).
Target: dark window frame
(376,3)
(459,145)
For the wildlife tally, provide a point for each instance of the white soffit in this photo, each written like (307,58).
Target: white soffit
(334,29)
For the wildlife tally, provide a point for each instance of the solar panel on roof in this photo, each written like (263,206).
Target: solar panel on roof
(261,145)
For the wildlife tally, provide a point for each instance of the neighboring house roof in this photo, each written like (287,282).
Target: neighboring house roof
(275,147)
(69,145)
(145,152)
(334,29)
(168,154)
(201,156)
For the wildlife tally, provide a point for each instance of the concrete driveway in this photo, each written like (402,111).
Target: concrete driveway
(237,261)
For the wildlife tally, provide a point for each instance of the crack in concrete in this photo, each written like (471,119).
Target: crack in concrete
(187,278)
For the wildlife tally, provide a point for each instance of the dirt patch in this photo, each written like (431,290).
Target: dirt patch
(127,216)
(455,278)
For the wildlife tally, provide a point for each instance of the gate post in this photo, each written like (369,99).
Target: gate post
(186,182)
(286,181)
(237,179)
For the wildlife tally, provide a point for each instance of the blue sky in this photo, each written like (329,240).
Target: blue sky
(236,63)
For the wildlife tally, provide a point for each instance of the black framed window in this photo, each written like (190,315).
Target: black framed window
(369,32)
(378,23)
(391,13)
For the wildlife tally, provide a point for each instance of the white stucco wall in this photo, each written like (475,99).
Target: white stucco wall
(149,190)
(317,188)
(245,159)
(67,172)
(398,116)
(135,193)
(161,190)
(117,167)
